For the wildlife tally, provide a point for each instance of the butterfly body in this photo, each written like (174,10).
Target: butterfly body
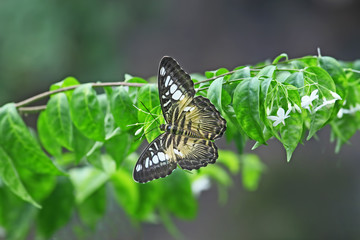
(192,125)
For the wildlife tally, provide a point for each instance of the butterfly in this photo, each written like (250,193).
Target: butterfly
(192,123)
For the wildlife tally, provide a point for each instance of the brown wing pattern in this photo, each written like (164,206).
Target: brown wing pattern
(200,117)
(193,153)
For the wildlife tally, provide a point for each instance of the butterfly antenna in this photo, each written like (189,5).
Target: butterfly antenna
(150,113)
(145,133)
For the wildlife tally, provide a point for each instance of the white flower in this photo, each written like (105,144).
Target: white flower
(295,108)
(199,185)
(138,131)
(281,116)
(340,113)
(335,95)
(306,101)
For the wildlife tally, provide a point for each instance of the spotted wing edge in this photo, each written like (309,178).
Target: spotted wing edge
(154,163)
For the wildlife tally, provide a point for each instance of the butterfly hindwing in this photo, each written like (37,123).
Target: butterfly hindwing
(193,153)
(175,85)
(201,118)
(155,162)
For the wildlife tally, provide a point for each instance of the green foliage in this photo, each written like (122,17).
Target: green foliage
(90,136)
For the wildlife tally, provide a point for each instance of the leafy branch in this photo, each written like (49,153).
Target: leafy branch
(85,139)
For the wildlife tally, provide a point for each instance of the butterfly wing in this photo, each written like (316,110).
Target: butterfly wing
(193,153)
(175,86)
(155,161)
(176,92)
(201,118)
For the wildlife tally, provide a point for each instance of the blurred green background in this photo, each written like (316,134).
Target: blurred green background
(315,196)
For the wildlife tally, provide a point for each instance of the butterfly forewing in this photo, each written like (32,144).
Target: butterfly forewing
(175,85)
(155,162)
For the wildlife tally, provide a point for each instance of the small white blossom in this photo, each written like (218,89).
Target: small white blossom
(281,116)
(340,113)
(138,131)
(295,108)
(199,185)
(352,110)
(306,101)
(268,111)
(335,95)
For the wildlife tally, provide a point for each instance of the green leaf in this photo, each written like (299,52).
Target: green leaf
(82,144)
(267,71)
(39,185)
(9,175)
(118,146)
(278,58)
(326,84)
(57,208)
(93,208)
(151,126)
(291,132)
(282,76)
(20,145)
(133,91)
(246,106)
(177,195)
(214,93)
(344,128)
(230,160)
(122,108)
(45,136)
(150,195)
(16,216)
(149,96)
(296,79)
(86,113)
(336,72)
(126,191)
(252,168)
(59,120)
(67,82)
(86,181)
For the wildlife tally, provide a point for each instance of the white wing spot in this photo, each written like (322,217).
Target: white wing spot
(167,103)
(177,95)
(151,163)
(177,152)
(171,82)
(162,71)
(147,162)
(156,159)
(167,81)
(161,156)
(188,109)
(182,97)
(173,88)
(155,145)
(138,167)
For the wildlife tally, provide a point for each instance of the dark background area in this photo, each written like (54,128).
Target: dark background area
(315,196)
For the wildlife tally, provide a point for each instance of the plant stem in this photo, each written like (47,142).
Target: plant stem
(48,93)
(33,109)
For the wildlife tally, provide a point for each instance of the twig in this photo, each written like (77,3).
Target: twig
(48,93)
(32,109)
